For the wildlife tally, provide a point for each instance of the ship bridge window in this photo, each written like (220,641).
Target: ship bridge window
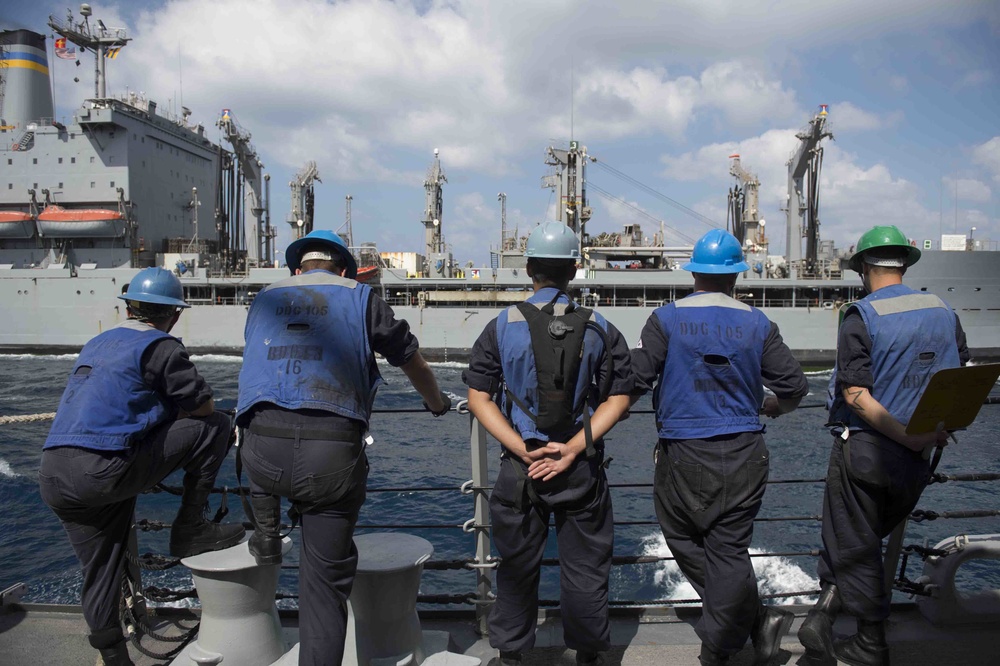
(72,160)
(112,184)
(60,185)
(34,186)
(34,160)
(91,159)
(10,186)
(60,160)
(93,184)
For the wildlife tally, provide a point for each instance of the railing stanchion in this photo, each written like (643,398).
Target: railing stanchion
(480,481)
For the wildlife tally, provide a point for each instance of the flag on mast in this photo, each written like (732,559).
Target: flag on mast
(64,52)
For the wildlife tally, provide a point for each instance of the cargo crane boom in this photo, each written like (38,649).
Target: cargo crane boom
(803,211)
(303,200)
(259,246)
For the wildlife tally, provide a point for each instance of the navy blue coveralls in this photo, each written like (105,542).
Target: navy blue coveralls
(578,498)
(890,342)
(709,356)
(307,385)
(116,434)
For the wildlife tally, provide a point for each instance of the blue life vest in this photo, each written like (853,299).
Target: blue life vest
(711,380)
(107,404)
(913,336)
(307,347)
(517,360)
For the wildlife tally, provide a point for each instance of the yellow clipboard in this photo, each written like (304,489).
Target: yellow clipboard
(954,397)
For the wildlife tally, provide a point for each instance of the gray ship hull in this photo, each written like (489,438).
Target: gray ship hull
(58,310)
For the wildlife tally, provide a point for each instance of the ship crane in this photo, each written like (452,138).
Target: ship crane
(303,200)
(803,211)
(105,42)
(436,260)
(251,168)
(744,212)
(570,183)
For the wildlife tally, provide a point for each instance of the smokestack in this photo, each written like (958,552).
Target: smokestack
(27,95)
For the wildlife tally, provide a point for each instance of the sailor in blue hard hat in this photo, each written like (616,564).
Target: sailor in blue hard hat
(551,464)
(134,410)
(707,357)
(306,390)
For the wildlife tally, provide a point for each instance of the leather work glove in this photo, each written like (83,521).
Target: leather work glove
(444,410)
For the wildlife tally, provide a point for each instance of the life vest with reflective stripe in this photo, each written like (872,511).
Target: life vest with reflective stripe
(711,380)
(307,347)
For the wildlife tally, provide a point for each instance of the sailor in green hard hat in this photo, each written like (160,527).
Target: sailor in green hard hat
(888,346)
(707,358)
(548,379)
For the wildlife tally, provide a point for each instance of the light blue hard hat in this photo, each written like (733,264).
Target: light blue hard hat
(155,285)
(552,240)
(717,252)
(293,255)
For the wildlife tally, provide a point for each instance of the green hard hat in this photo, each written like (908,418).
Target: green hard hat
(883,236)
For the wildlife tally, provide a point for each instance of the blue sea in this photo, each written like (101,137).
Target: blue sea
(415,450)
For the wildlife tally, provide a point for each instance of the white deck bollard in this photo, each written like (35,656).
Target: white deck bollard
(239,621)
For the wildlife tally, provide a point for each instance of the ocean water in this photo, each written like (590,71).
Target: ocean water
(413,450)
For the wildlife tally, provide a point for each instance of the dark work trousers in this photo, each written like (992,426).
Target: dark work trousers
(325,479)
(707,493)
(585,536)
(872,484)
(93,493)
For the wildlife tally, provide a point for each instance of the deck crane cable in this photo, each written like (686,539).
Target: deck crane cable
(707,221)
(607,195)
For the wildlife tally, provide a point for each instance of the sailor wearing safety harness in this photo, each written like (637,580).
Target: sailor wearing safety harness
(545,359)
(888,346)
(135,409)
(306,390)
(709,356)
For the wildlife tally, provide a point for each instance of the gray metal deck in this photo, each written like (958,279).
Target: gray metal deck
(57,636)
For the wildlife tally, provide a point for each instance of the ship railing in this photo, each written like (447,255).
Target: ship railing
(481,564)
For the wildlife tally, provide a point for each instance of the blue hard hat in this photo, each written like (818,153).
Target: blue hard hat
(552,240)
(155,285)
(717,252)
(293,255)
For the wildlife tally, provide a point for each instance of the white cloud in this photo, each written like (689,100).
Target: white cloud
(988,155)
(976,78)
(847,117)
(967,189)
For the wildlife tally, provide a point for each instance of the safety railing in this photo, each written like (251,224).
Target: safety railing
(482,562)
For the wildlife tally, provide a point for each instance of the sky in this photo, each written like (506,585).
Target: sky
(661,91)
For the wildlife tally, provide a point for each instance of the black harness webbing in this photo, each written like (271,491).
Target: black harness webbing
(557,328)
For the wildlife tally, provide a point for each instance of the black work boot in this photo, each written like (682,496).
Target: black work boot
(768,629)
(816,632)
(588,658)
(865,648)
(710,657)
(191,533)
(265,542)
(507,659)
(116,655)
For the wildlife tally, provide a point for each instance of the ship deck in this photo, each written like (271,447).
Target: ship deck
(57,635)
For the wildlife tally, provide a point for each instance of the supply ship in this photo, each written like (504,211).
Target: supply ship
(126,184)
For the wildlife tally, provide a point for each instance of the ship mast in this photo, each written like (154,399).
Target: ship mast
(303,200)
(570,183)
(103,41)
(806,160)
(434,240)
